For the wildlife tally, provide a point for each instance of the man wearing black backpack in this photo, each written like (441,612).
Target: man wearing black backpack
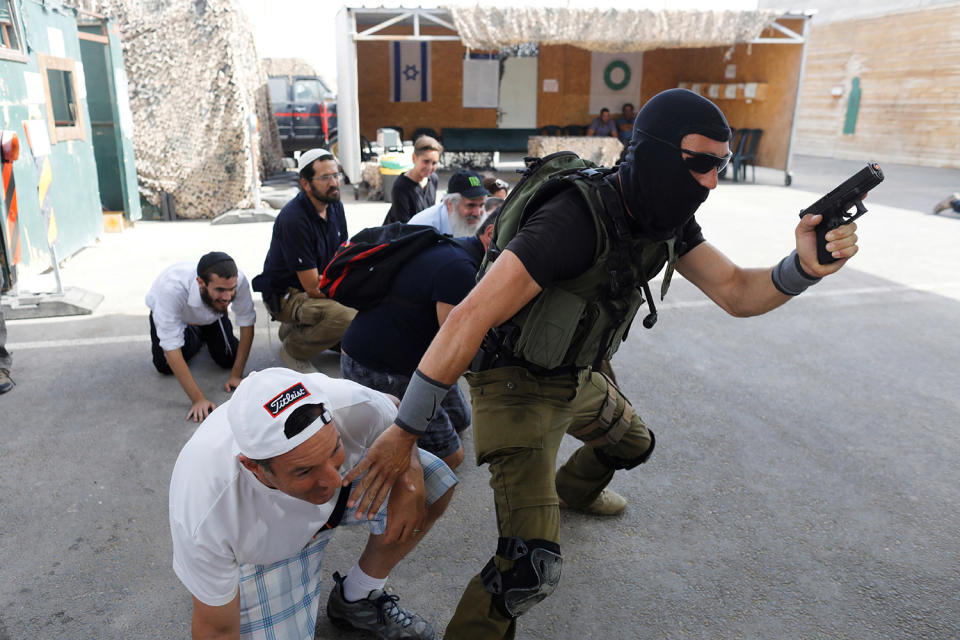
(384,343)
(556,302)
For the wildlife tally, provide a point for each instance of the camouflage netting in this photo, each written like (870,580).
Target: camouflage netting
(195,80)
(609,30)
(288,67)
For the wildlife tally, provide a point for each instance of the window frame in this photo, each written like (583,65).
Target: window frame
(76,130)
(18,54)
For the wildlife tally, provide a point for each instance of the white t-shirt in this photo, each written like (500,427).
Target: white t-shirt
(437,216)
(222,516)
(174,299)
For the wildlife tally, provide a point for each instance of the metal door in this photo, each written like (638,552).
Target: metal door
(518,94)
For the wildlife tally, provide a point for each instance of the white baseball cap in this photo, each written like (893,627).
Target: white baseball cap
(261,405)
(308,157)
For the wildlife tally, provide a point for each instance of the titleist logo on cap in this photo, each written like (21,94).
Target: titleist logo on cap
(284,399)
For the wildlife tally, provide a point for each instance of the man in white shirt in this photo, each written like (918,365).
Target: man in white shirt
(256,493)
(460,213)
(188,308)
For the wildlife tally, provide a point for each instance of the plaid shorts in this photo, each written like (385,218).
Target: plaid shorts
(279,601)
(442,436)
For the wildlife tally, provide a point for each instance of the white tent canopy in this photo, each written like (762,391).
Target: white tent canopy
(609,30)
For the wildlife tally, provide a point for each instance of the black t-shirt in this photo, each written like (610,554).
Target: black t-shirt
(394,335)
(407,198)
(301,240)
(558,240)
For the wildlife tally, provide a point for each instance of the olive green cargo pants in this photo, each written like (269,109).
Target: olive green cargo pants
(311,325)
(519,420)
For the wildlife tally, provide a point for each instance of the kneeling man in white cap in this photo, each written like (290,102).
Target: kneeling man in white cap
(256,493)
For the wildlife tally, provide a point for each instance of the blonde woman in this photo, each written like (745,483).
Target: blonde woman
(416,189)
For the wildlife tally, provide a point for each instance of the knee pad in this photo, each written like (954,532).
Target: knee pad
(616,463)
(534,575)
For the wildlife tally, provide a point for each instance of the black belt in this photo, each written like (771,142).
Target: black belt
(338,509)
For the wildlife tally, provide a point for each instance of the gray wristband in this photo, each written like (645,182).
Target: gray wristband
(789,277)
(420,403)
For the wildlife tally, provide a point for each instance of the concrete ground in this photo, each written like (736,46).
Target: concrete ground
(804,483)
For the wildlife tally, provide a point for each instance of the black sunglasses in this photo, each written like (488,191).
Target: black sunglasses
(697,161)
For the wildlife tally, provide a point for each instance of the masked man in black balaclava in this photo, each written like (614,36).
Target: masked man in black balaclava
(553,305)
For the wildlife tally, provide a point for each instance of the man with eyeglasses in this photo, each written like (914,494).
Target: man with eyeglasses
(461,211)
(556,301)
(306,234)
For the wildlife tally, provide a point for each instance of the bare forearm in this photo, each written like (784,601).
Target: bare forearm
(454,346)
(753,294)
(182,372)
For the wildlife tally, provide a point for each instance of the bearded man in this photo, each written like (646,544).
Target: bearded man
(461,212)
(188,308)
(306,234)
(557,299)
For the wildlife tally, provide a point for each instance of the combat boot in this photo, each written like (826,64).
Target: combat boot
(608,503)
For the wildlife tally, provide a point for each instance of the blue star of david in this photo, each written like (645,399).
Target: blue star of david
(410,72)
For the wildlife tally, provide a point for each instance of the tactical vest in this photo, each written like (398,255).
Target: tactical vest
(579,322)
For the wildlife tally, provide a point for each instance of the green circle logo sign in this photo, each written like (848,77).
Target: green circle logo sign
(611,70)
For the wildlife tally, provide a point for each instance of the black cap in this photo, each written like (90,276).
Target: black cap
(210,259)
(467,183)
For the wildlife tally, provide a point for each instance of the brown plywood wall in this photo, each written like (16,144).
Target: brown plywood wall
(570,66)
(776,65)
(909,69)
(446,106)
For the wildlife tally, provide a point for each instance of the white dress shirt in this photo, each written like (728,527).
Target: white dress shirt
(174,299)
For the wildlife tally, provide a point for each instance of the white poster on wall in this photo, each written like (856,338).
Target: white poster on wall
(34,84)
(55,42)
(614,80)
(481,81)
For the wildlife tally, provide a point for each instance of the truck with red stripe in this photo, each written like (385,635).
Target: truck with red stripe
(306,111)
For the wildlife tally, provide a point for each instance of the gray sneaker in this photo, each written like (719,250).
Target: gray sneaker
(377,613)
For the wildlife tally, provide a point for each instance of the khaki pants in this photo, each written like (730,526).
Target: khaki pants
(311,325)
(519,420)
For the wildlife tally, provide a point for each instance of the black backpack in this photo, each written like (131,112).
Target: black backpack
(361,271)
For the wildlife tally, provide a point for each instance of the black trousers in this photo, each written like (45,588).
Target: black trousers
(218,336)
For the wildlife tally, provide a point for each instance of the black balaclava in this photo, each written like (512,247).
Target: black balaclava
(657,186)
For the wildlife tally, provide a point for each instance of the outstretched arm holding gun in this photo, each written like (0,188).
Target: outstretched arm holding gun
(826,226)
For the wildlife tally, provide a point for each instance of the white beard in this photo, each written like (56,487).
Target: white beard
(460,227)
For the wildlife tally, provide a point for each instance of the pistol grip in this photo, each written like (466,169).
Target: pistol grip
(823,256)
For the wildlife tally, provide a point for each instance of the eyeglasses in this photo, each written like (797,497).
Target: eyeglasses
(329,177)
(697,161)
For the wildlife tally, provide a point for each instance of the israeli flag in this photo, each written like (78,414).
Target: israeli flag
(409,71)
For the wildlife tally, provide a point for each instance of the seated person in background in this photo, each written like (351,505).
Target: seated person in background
(306,234)
(496,187)
(416,189)
(188,308)
(383,345)
(603,126)
(256,494)
(625,123)
(461,210)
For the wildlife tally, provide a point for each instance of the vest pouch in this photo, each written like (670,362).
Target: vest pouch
(632,306)
(549,327)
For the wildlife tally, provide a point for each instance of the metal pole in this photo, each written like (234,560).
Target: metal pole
(787,176)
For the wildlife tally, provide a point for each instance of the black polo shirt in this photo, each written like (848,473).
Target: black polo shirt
(301,240)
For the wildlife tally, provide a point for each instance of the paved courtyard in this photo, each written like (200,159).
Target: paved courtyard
(804,484)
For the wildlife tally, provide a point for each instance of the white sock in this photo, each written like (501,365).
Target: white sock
(358,585)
